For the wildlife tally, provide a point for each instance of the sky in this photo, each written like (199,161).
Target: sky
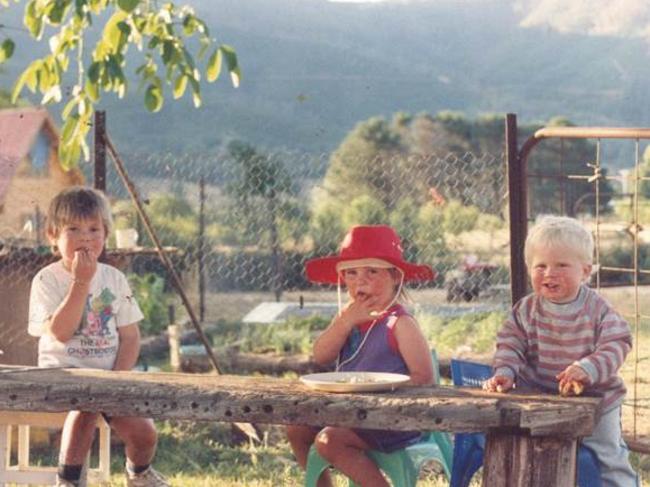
(618,18)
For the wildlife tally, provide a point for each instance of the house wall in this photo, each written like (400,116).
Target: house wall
(17,269)
(30,190)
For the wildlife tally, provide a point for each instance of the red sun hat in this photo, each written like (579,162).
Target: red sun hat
(367,242)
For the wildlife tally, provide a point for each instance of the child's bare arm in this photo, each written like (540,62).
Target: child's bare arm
(328,345)
(66,319)
(128,348)
(414,350)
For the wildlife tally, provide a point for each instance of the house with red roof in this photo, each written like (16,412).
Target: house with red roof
(30,173)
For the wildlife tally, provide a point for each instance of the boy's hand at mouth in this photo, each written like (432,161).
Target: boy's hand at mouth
(84,265)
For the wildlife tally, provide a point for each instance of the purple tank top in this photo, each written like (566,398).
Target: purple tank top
(376,354)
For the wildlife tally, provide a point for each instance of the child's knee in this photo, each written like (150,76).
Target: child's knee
(323,444)
(140,434)
(82,419)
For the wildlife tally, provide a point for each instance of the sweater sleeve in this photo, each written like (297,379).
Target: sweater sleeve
(511,344)
(613,343)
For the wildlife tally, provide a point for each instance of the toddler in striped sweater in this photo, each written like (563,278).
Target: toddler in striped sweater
(565,336)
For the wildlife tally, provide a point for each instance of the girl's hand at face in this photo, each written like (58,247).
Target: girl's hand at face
(84,265)
(498,383)
(358,310)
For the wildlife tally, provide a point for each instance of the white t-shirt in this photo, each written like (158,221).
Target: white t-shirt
(110,305)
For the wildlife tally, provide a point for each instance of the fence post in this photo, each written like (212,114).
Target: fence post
(100,150)
(173,335)
(200,256)
(518,211)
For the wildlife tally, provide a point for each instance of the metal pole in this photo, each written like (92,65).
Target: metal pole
(175,278)
(100,150)
(518,211)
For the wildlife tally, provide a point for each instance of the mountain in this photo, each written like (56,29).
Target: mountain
(312,69)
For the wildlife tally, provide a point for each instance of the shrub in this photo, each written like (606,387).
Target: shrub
(149,291)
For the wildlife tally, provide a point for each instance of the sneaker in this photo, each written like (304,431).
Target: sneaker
(148,478)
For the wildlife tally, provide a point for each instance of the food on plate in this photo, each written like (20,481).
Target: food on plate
(356,379)
(571,388)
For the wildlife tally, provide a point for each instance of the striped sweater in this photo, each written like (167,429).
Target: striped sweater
(540,339)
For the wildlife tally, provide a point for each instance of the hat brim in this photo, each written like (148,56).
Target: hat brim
(323,270)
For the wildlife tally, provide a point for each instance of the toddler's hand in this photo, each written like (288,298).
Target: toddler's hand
(84,265)
(572,380)
(498,383)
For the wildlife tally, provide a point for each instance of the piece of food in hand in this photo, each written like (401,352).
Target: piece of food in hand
(500,388)
(571,388)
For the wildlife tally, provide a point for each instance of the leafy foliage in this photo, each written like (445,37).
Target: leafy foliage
(161,33)
(149,291)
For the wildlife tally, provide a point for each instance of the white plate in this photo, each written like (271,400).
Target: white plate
(354,381)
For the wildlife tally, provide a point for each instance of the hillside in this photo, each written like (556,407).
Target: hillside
(313,69)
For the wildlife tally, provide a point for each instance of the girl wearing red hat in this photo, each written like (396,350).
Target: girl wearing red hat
(371,333)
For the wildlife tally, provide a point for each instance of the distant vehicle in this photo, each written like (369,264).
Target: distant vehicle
(466,282)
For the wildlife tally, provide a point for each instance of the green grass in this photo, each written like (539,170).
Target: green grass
(202,454)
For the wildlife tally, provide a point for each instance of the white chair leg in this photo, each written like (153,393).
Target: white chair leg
(5,451)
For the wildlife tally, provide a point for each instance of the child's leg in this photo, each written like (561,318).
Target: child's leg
(607,443)
(76,439)
(140,440)
(345,450)
(139,437)
(301,438)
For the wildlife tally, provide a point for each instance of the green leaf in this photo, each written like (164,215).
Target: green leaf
(189,25)
(179,86)
(33,20)
(69,128)
(92,89)
(113,35)
(6,49)
(56,11)
(27,77)
(153,98)
(68,108)
(128,5)
(232,63)
(214,65)
(69,154)
(94,70)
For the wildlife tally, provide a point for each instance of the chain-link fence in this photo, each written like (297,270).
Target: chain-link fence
(241,224)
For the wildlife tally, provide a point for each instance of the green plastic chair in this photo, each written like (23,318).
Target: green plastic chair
(401,466)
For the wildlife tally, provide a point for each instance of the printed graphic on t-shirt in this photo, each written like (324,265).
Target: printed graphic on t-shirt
(94,335)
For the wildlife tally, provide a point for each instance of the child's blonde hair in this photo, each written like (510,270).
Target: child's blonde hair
(560,231)
(77,203)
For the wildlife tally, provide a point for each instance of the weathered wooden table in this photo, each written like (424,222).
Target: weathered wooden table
(531,439)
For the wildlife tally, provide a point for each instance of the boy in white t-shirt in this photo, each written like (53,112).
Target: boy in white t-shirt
(85,315)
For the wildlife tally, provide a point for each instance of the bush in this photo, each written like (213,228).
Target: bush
(149,291)
(623,257)
(475,330)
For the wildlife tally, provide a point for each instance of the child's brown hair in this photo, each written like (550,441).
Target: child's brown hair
(77,203)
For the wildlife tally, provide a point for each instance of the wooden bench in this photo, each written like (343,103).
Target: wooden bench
(24,473)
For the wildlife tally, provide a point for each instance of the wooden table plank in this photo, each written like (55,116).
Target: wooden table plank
(282,401)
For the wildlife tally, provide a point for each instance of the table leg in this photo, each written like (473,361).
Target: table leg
(516,459)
